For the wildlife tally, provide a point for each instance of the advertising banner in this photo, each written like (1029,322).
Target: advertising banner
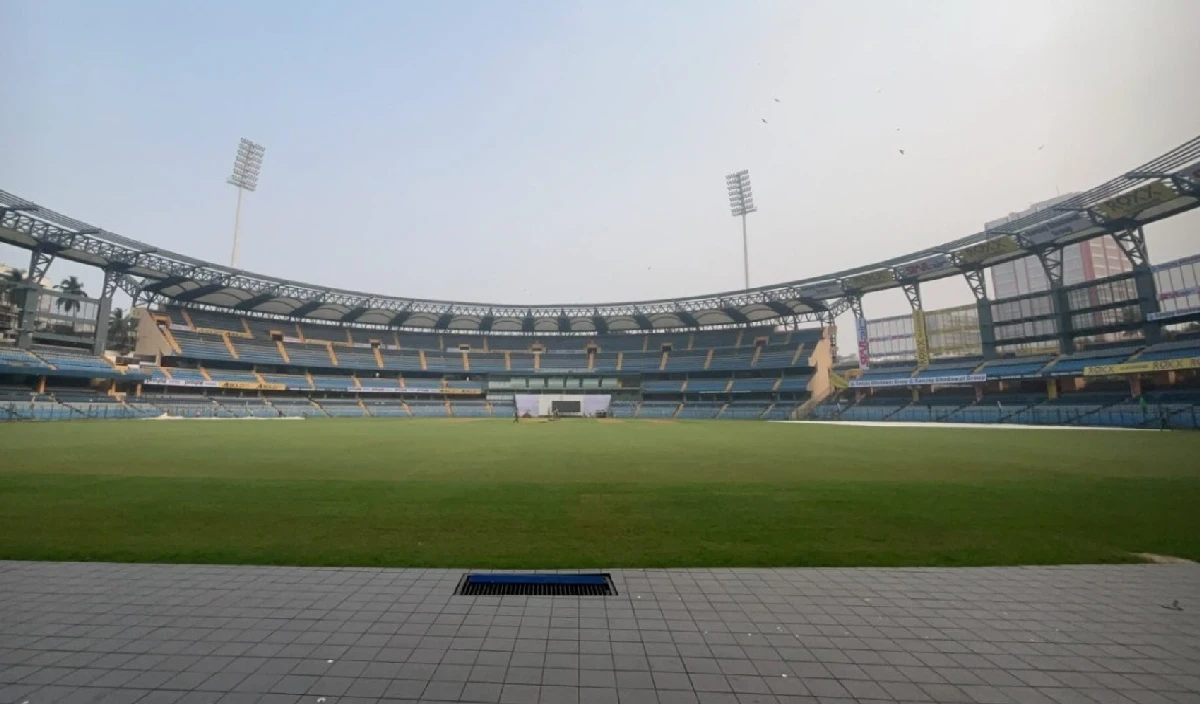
(1056,229)
(183,382)
(864,345)
(919,382)
(1126,368)
(824,290)
(1177,313)
(1130,204)
(987,250)
(932,265)
(876,279)
(921,337)
(265,386)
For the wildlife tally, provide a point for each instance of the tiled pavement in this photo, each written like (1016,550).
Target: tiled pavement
(98,632)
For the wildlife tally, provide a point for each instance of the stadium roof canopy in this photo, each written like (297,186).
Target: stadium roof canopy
(1163,187)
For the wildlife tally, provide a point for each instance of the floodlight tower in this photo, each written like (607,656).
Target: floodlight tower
(246,166)
(741,203)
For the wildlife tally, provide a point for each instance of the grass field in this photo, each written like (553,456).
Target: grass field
(581,493)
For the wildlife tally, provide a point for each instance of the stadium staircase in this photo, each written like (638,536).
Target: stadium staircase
(754,358)
(318,407)
(283,352)
(229,345)
(332,355)
(363,406)
(424,363)
(767,411)
(170,338)
(379,357)
(662,365)
(204,373)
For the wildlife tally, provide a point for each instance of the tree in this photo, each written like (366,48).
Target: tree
(70,285)
(122,331)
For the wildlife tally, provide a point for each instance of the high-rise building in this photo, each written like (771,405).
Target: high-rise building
(1082,262)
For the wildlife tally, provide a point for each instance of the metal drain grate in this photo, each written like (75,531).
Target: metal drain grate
(536,584)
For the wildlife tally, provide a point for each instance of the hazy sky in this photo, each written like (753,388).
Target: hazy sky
(549,152)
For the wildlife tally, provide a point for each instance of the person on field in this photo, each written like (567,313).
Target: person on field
(516,414)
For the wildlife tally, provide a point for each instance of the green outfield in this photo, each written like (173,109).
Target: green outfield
(581,493)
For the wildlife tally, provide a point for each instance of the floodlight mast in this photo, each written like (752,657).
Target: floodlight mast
(741,203)
(246,166)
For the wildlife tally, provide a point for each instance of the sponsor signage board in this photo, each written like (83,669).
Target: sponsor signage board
(1004,245)
(916,270)
(1125,368)
(265,386)
(1177,313)
(1127,205)
(871,280)
(1057,229)
(864,345)
(183,383)
(919,382)
(824,290)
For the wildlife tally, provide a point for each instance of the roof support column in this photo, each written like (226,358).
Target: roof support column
(104,310)
(912,291)
(860,330)
(987,329)
(1133,243)
(39,264)
(1052,261)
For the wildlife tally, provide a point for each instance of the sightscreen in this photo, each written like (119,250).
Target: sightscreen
(566,406)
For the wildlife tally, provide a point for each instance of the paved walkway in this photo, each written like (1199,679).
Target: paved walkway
(109,632)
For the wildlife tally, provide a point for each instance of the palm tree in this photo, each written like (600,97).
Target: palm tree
(12,279)
(122,331)
(71,285)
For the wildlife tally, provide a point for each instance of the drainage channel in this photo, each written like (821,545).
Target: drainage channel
(551,584)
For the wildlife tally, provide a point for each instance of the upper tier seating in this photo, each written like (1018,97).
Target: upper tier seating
(950,368)
(1075,363)
(706,386)
(794,383)
(316,331)
(521,362)
(76,363)
(744,410)
(339,382)
(1171,350)
(381,382)
(754,384)
(685,361)
(699,410)
(21,360)
(420,341)
(621,343)
(605,362)
(563,362)
(1016,367)
(232,376)
(883,372)
(702,340)
(209,319)
(264,351)
(309,354)
(447,362)
(201,346)
(641,362)
(487,362)
(774,356)
(357,358)
(738,359)
(651,386)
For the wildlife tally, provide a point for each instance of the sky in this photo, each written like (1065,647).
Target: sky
(575,152)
